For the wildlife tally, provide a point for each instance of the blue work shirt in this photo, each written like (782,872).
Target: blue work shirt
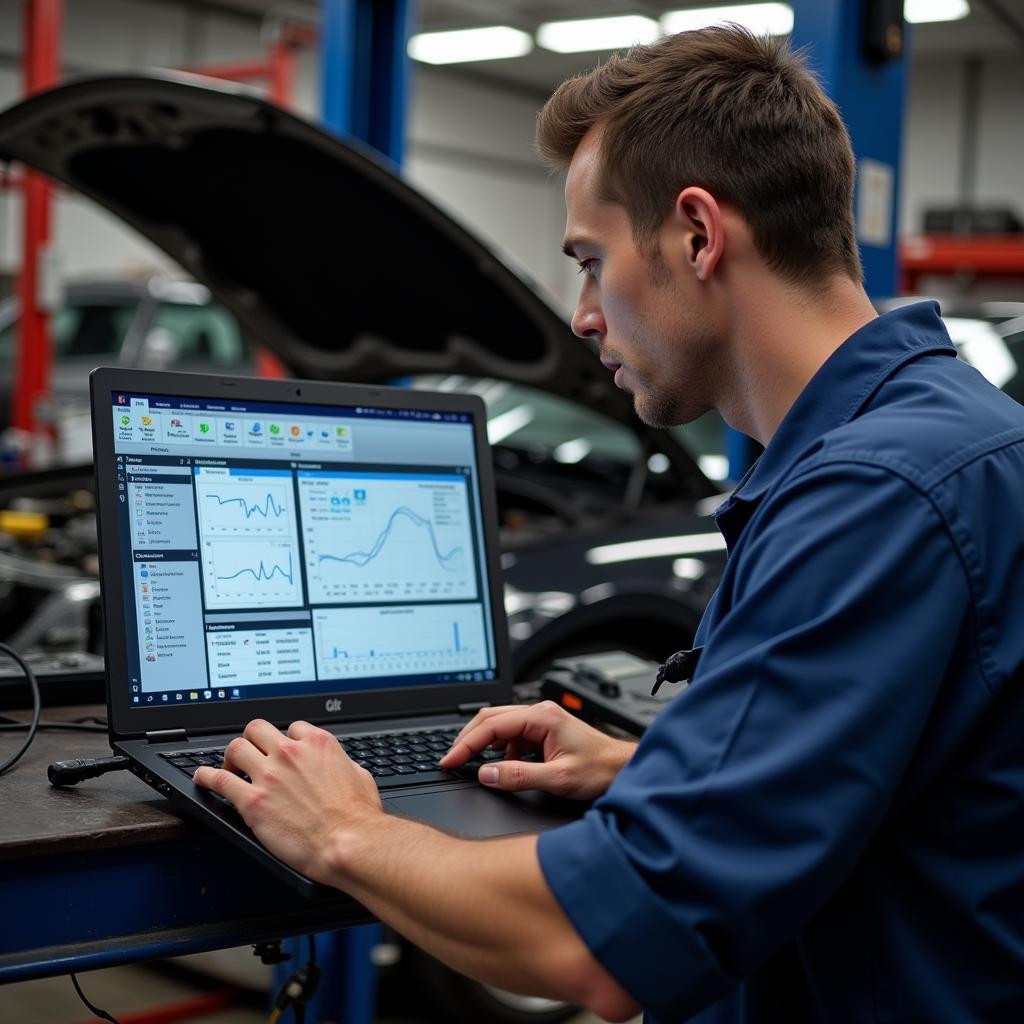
(828,823)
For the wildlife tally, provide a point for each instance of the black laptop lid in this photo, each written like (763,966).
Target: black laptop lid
(293,549)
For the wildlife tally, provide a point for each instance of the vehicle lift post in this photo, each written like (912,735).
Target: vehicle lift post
(858,48)
(34,356)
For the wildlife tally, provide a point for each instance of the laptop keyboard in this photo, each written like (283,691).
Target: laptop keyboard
(393,759)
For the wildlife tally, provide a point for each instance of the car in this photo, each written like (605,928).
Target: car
(154,323)
(324,255)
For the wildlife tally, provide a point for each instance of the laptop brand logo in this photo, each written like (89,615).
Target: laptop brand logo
(333,704)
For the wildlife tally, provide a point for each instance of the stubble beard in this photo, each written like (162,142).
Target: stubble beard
(685,394)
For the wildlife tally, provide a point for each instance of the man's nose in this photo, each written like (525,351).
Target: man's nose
(587,321)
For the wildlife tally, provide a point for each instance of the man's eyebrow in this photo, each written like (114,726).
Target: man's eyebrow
(570,245)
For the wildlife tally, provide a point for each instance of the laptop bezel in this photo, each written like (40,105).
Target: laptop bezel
(126,721)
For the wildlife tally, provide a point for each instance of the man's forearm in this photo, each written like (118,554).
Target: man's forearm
(481,906)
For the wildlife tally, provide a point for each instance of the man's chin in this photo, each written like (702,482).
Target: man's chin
(659,415)
(651,416)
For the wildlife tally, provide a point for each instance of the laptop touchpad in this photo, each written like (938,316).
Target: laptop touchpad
(478,813)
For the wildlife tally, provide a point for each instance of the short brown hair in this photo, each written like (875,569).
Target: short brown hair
(728,111)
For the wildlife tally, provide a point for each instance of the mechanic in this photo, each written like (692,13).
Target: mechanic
(828,823)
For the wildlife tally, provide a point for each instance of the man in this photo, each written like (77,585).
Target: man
(828,823)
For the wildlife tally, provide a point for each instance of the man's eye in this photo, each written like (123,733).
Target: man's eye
(587,266)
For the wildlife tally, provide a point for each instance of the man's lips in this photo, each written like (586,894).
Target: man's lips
(610,364)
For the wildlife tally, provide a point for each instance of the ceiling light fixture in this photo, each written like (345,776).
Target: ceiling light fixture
(919,11)
(584,35)
(761,19)
(495,42)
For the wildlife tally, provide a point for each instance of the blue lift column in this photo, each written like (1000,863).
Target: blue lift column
(365,71)
(364,78)
(845,48)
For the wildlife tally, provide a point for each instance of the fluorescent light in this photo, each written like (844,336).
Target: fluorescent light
(586,34)
(715,467)
(657,547)
(761,19)
(496,42)
(918,11)
(507,423)
(688,568)
(658,463)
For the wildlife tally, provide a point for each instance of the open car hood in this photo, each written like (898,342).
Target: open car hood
(323,252)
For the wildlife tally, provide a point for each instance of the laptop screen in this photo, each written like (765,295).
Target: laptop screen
(271,549)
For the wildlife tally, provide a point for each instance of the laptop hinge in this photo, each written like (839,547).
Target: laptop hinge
(167,736)
(472,709)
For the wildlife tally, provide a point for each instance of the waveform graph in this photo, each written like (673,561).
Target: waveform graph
(398,640)
(387,539)
(251,574)
(240,504)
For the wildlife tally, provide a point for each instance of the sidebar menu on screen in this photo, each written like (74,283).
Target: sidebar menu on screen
(165,577)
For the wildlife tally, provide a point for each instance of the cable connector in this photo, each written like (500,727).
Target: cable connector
(70,773)
(298,990)
(270,952)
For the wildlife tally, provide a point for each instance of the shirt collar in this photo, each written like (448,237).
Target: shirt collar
(842,387)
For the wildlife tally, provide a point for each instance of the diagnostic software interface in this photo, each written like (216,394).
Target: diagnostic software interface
(275,549)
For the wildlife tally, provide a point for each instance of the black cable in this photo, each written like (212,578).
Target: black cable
(298,990)
(44,724)
(102,1014)
(37,703)
(87,720)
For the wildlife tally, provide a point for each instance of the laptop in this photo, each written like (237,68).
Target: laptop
(301,550)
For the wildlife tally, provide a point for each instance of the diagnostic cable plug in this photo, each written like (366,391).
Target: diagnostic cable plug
(70,773)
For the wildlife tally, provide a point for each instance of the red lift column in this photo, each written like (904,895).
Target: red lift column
(35,356)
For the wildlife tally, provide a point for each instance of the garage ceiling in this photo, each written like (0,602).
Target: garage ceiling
(993,27)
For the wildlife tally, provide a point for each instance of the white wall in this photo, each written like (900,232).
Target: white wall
(933,137)
(469,149)
(469,143)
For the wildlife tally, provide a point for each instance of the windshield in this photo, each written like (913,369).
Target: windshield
(94,330)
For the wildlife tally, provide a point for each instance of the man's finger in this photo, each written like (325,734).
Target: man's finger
(514,723)
(242,756)
(515,775)
(219,780)
(263,735)
(300,730)
(482,716)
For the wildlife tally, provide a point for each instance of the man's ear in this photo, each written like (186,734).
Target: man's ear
(699,217)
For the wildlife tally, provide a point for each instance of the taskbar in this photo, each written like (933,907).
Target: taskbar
(252,691)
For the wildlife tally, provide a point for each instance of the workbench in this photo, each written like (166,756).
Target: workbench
(108,873)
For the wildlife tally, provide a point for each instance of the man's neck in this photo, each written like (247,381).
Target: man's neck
(780,338)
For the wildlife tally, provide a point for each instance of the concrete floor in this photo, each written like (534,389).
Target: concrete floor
(121,991)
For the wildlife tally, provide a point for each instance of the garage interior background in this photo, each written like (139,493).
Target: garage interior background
(469,132)
(470,126)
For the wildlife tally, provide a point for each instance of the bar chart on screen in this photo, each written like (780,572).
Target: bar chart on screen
(399,640)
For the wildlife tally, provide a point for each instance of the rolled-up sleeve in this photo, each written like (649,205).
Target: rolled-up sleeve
(751,798)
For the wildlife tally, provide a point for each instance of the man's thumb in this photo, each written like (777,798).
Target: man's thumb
(512,775)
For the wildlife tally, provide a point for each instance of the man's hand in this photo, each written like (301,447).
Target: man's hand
(579,761)
(304,789)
